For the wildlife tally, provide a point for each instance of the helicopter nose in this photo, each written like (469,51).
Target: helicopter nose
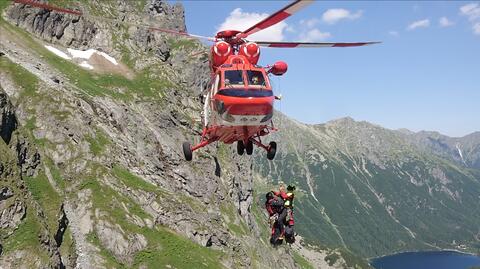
(250,106)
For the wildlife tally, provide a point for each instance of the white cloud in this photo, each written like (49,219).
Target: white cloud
(314,35)
(393,33)
(476,28)
(445,22)
(472,11)
(241,21)
(334,15)
(418,24)
(290,29)
(310,23)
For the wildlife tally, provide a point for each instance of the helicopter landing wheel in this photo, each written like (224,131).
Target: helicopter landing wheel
(240,147)
(187,151)
(249,147)
(272,150)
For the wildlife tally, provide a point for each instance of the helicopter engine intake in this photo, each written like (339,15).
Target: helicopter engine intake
(251,51)
(220,52)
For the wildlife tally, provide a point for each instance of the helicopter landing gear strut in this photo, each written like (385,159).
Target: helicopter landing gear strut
(189,149)
(271,148)
(242,147)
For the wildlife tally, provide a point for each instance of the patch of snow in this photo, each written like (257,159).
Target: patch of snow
(58,52)
(86,65)
(460,152)
(108,57)
(86,54)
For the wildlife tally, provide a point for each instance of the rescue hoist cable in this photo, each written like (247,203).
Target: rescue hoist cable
(280,125)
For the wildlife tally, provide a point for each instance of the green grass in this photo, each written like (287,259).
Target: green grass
(260,217)
(3,5)
(164,247)
(133,181)
(169,248)
(28,129)
(301,262)
(31,123)
(26,236)
(354,261)
(236,229)
(56,175)
(332,258)
(68,245)
(182,43)
(47,197)
(20,76)
(110,260)
(229,211)
(98,143)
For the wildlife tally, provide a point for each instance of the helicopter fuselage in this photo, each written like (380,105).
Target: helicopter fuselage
(239,101)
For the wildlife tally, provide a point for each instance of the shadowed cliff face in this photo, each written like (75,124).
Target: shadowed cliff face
(92,170)
(8,122)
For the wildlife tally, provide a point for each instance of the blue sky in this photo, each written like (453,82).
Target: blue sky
(424,76)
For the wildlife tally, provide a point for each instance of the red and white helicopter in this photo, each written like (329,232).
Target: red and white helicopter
(239,100)
(239,103)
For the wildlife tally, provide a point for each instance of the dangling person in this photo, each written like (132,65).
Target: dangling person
(289,221)
(275,208)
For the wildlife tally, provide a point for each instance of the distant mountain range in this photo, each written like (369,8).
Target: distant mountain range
(464,151)
(376,191)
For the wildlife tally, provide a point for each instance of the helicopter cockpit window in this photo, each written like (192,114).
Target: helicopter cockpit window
(256,78)
(233,78)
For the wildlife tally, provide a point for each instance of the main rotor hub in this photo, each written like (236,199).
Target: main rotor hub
(227,34)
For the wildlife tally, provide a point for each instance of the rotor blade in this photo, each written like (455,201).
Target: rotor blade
(310,44)
(276,17)
(34,3)
(177,32)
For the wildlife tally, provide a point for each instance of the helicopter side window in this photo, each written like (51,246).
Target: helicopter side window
(256,78)
(233,78)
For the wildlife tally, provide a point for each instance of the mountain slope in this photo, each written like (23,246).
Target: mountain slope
(92,174)
(465,151)
(373,190)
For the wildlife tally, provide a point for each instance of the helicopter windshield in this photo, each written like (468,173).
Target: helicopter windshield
(255,78)
(233,78)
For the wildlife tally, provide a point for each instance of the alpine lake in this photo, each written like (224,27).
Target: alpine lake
(428,260)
